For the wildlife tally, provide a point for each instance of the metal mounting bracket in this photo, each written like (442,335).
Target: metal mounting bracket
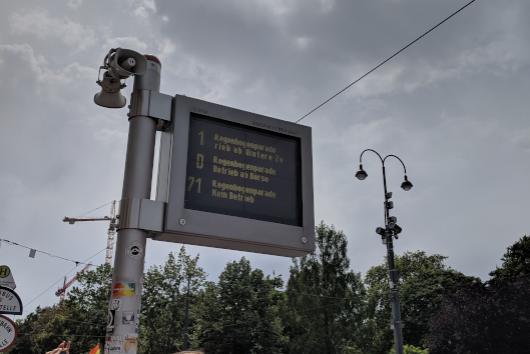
(151,104)
(145,214)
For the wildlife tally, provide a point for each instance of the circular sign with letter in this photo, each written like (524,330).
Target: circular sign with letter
(134,250)
(8,333)
(4,271)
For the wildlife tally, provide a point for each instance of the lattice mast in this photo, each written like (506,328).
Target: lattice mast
(110,233)
(61,292)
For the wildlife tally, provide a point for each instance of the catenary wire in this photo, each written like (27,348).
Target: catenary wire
(369,72)
(49,254)
(62,335)
(65,275)
(94,324)
(88,212)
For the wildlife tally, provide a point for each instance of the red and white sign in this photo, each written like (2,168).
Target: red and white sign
(8,333)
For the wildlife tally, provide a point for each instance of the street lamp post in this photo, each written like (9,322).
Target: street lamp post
(387,234)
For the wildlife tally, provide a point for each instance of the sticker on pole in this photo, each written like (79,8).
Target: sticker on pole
(8,333)
(134,251)
(10,303)
(115,304)
(127,317)
(6,277)
(114,344)
(124,289)
(131,343)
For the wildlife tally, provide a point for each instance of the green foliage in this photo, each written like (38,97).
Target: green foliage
(39,330)
(423,282)
(493,317)
(410,349)
(325,307)
(88,304)
(238,315)
(516,261)
(164,303)
(324,304)
(81,318)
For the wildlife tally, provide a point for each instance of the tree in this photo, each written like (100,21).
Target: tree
(493,317)
(423,281)
(238,315)
(164,303)
(516,261)
(324,303)
(81,318)
(37,335)
(88,302)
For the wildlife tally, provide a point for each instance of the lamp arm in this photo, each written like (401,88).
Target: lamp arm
(380,158)
(404,168)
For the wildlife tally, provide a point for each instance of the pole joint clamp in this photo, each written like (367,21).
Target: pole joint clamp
(151,104)
(139,213)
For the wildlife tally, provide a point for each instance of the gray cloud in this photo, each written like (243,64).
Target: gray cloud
(453,106)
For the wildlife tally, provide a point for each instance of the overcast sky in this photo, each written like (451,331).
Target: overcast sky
(454,107)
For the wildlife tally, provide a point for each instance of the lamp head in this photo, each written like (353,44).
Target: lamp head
(406,185)
(361,174)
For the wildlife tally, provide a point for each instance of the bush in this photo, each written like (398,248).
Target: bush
(410,349)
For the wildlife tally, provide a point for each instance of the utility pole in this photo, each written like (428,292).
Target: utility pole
(124,305)
(387,234)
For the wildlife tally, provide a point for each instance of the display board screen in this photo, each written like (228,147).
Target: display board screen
(238,170)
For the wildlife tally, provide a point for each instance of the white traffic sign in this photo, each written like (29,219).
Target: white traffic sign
(10,303)
(8,333)
(6,278)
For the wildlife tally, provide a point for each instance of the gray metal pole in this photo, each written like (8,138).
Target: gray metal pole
(396,311)
(124,305)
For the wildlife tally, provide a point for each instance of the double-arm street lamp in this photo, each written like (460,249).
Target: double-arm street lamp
(387,234)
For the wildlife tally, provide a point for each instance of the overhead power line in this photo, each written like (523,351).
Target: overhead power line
(49,254)
(88,212)
(402,49)
(61,278)
(61,335)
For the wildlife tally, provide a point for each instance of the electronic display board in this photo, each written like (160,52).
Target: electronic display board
(235,179)
(242,171)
